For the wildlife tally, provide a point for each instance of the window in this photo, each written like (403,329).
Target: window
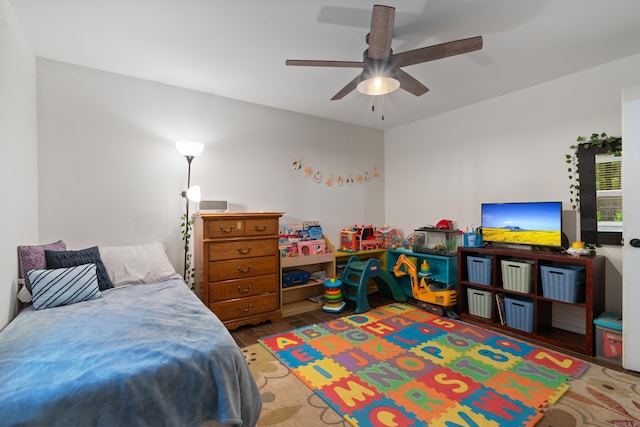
(600,195)
(609,192)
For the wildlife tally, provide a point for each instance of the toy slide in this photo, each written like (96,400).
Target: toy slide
(355,279)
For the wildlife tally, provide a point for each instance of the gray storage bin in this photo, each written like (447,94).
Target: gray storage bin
(479,302)
(517,275)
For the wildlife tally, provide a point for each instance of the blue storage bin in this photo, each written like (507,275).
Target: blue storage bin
(519,313)
(479,269)
(563,282)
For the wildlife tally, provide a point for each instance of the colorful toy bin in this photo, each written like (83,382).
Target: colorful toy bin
(609,337)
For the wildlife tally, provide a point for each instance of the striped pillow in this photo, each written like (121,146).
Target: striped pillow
(63,286)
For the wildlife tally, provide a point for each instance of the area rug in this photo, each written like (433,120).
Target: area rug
(399,365)
(602,397)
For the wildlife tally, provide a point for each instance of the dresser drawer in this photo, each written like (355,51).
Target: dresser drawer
(239,288)
(242,307)
(242,268)
(217,228)
(239,249)
(261,227)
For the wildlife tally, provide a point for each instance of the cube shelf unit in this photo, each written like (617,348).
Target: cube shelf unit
(543,329)
(294,298)
(443,268)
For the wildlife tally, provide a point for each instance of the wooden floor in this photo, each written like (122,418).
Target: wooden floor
(247,335)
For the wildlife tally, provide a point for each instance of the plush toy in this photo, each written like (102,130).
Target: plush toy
(578,248)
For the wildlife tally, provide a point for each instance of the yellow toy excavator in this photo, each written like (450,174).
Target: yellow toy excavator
(421,289)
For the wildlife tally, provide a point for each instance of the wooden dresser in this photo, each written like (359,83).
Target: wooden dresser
(237,264)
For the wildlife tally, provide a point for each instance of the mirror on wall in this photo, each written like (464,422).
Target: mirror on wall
(600,195)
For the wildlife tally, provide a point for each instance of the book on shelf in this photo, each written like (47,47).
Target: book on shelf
(500,304)
(317,299)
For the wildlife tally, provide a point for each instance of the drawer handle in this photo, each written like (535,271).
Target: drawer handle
(247,289)
(227,230)
(244,251)
(245,309)
(261,229)
(245,270)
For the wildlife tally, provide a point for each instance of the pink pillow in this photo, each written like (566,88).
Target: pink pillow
(32,258)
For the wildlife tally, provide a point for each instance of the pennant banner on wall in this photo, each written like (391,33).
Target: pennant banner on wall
(333,179)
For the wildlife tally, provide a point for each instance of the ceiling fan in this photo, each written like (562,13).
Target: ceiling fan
(381,72)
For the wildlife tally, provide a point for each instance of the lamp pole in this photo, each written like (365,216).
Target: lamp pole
(190,150)
(186,219)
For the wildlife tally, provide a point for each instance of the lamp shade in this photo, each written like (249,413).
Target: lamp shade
(378,77)
(189,148)
(378,85)
(194,194)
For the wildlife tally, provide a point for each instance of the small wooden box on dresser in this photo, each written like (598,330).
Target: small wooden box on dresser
(237,265)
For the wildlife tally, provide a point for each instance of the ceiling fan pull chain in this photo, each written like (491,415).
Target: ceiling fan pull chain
(380,99)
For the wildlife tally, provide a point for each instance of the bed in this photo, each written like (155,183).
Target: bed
(142,353)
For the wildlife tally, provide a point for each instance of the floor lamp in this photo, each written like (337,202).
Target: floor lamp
(190,150)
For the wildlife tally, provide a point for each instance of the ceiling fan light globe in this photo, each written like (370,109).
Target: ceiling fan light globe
(379,85)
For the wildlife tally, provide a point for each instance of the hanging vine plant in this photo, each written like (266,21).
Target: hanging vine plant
(613,144)
(189,268)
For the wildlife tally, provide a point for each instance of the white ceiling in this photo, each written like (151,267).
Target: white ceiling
(238,48)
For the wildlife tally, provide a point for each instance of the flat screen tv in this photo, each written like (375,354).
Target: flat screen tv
(523,223)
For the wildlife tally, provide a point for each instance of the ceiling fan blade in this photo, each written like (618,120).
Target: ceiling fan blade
(410,84)
(312,63)
(381,31)
(437,51)
(346,90)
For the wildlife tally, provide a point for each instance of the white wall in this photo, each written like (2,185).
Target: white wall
(110,174)
(507,149)
(18,163)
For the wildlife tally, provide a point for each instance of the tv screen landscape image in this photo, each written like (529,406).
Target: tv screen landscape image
(525,223)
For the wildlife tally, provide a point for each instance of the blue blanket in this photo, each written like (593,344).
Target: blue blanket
(148,354)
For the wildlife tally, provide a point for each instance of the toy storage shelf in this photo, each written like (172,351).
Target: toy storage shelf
(545,328)
(443,268)
(294,298)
